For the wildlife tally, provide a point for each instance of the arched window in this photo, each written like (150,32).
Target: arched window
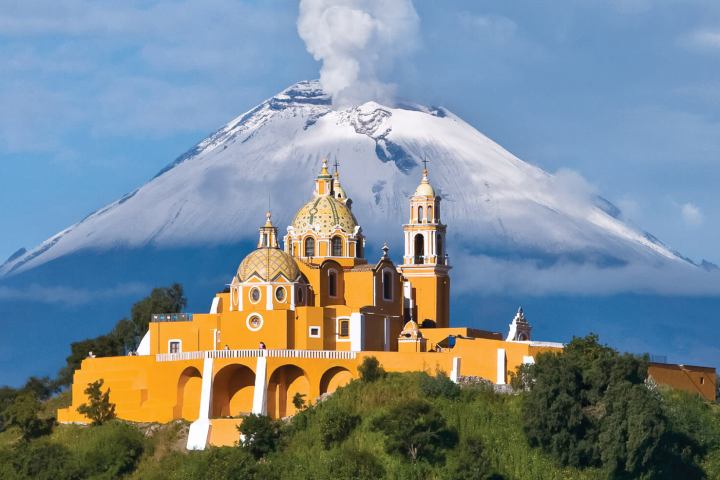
(430,216)
(336,247)
(387,285)
(359,248)
(419,248)
(420,215)
(332,283)
(310,247)
(439,242)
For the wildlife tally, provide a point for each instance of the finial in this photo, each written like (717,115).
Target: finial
(324,170)
(268,219)
(385,250)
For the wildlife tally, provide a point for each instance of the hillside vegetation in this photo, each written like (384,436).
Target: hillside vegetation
(587,413)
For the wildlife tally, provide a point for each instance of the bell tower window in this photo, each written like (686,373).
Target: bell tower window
(387,285)
(420,215)
(430,215)
(309,247)
(419,248)
(336,247)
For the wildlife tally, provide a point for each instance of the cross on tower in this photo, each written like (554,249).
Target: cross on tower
(336,165)
(425,161)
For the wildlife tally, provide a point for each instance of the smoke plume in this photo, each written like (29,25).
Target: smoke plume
(357,41)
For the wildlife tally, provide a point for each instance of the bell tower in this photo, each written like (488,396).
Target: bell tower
(425,263)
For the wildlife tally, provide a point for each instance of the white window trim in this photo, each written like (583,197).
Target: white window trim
(247,322)
(338,338)
(310,334)
(250,290)
(175,340)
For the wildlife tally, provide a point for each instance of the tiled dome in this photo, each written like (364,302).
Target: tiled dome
(268,264)
(323,214)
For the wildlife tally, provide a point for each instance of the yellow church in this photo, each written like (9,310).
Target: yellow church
(301,319)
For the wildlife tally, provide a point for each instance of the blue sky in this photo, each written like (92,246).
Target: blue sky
(95,97)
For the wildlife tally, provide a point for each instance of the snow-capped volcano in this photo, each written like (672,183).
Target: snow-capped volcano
(494,203)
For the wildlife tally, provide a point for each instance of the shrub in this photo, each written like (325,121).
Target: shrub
(261,435)
(415,430)
(469,461)
(336,424)
(109,451)
(370,370)
(42,460)
(350,463)
(99,409)
(23,413)
(438,386)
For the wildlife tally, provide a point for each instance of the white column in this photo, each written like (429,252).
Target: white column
(260,394)
(232,300)
(455,372)
(269,298)
(216,303)
(292,296)
(240,298)
(357,331)
(387,334)
(501,366)
(426,237)
(200,428)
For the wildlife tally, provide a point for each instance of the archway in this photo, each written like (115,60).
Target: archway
(334,378)
(284,383)
(189,387)
(233,390)
(419,248)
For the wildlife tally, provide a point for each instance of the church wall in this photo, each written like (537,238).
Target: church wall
(161,333)
(693,379)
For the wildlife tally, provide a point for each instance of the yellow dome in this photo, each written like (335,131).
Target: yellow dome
(324,214)
(268,264)
(425,189)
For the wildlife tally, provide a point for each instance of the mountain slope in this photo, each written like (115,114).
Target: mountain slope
(493,202)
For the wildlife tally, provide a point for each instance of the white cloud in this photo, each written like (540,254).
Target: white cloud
(691,214)
(706,39)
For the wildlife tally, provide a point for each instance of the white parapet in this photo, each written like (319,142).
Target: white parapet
(200,428)
(455,372)
(501,366)
(260,395)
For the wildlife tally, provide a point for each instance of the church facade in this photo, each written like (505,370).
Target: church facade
(301,318)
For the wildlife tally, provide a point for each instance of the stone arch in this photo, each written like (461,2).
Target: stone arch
(233,389)
(284,383)
(189,387)
(419,248)
(334,378)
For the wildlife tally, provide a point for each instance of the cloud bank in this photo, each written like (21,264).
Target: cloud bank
(357,41)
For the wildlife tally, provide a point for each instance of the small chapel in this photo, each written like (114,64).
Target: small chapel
(301,317)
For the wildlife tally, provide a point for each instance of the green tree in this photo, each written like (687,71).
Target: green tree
(23,413)
(438,386)
(99,409)
(126,334)
(299,401)
(261,435)
(589,406)
(416,431)
(336,424)
(109,451)
(370,370)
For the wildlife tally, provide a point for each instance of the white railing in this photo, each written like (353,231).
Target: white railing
(171,357)
(274,353)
